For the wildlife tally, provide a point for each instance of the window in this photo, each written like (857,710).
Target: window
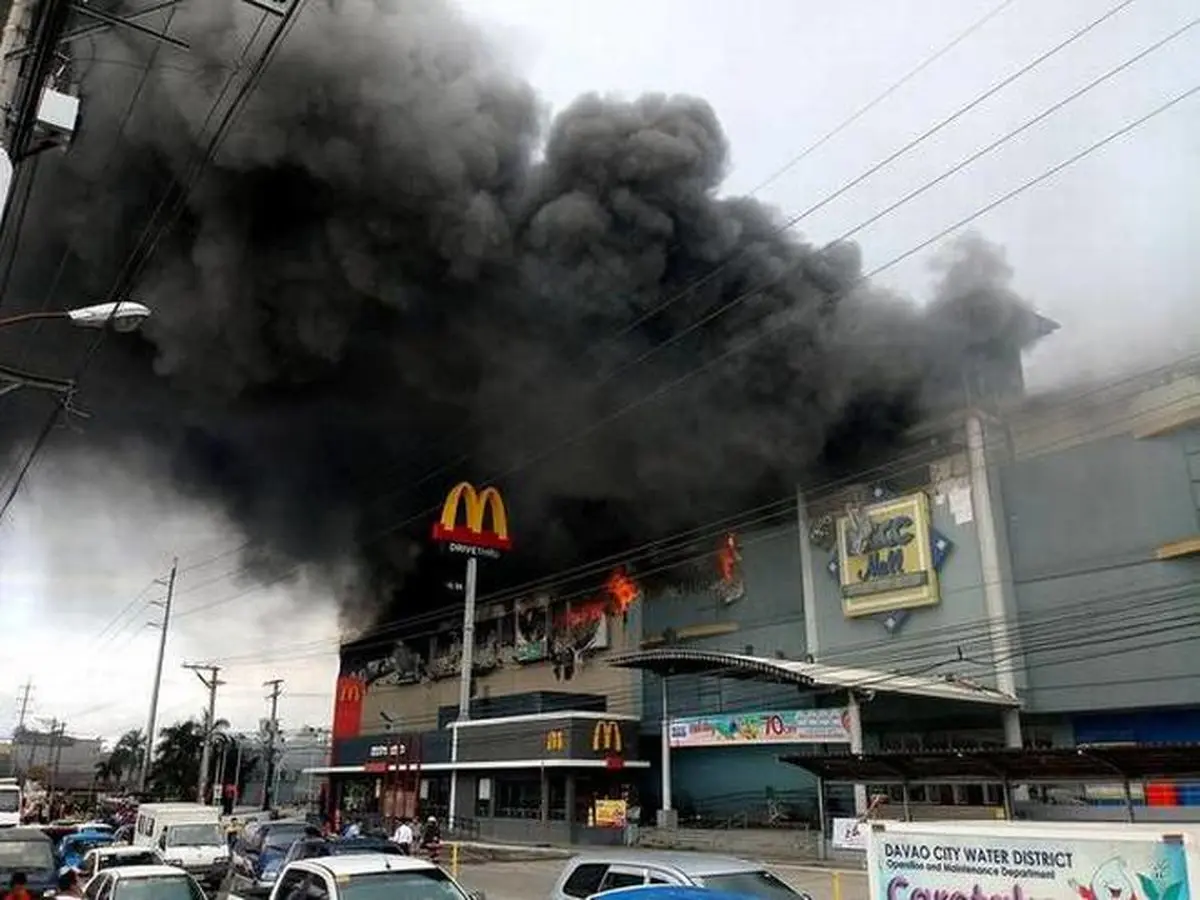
(761,884)
(658,879)
(10,801)
(93,888)
(318,888)
(194,836)
(158,887)
(585,880)
(26,856)
(620,878)
(291,887)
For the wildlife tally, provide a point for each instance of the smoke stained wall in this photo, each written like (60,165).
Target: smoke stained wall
(398,265)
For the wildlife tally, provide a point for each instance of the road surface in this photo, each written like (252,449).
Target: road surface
(533,879)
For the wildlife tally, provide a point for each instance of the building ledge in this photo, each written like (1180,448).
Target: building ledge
(1178,549)
(691,633)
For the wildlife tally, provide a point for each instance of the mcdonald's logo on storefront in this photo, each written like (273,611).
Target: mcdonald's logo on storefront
(350,691)
(556,742)
(348,707)
(472,534)
(606,736)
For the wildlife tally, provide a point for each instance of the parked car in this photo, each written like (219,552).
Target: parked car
(114,855)
(365,876)
(28,850)
(73,847)
(259,854)
(599,872)
(143,883)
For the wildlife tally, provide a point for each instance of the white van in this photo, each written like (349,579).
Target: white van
(10,802)
(188,835)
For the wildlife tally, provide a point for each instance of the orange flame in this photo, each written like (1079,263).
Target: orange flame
(728,557)
(622,589)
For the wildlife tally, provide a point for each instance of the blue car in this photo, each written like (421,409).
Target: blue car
(260,854)
(74,847)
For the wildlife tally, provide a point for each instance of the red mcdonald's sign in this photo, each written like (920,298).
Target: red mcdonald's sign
(348,707)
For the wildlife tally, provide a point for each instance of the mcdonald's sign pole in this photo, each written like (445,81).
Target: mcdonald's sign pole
(473,538)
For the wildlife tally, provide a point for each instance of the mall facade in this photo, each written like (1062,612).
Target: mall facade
(1021,576)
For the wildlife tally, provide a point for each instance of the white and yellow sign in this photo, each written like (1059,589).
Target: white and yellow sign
(885,557)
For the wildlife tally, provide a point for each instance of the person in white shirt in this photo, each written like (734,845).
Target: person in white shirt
(404,837)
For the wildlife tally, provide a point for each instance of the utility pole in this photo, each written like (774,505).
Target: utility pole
(18,733)
(54,756)
(148,753)
(276,686)
(212,682)
(15,36)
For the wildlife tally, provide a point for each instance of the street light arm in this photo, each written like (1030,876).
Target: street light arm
(33,317)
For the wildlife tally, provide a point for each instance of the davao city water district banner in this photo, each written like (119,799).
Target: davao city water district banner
(968,867)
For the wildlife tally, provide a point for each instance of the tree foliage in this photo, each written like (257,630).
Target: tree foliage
(175,766)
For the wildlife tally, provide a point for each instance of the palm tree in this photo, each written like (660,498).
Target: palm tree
(126,757)
(175,771)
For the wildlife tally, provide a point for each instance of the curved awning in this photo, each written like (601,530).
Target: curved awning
(684,661)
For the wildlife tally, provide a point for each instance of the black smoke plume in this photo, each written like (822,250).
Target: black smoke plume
(396,272)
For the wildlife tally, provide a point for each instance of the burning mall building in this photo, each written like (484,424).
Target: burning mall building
(1015,577)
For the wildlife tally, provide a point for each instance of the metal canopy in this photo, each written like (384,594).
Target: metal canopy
(683,661)
(1057,765)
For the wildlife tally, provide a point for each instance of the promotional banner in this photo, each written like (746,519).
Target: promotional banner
(913,866)
(610,814)
(797,726)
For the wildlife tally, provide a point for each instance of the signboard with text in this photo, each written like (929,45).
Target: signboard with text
(909,865)
(885,559)
(796,726)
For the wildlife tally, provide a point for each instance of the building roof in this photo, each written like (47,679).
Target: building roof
(1060,765)
(683,661)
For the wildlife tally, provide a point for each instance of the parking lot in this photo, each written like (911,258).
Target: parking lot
(533,879)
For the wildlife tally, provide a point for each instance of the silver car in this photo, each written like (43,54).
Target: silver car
(599,871)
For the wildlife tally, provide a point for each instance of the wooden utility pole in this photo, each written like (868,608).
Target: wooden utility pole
(212,682)
(148,753)
(276,686)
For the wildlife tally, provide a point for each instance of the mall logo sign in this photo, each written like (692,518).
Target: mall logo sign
(887,558)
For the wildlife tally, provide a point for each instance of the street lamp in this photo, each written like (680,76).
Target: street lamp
(124,315)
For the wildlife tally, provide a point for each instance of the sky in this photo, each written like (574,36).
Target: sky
(1104,248)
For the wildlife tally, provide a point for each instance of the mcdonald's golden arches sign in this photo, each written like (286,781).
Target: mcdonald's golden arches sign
(473,535)
(606,737)
(556,741)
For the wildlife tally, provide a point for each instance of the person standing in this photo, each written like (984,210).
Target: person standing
(404,836)
(68,884)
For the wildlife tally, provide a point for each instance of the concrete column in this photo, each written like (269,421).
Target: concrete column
(569,798)
(856,746)
(808,579)
(544,812)
(999,627)
(667,817)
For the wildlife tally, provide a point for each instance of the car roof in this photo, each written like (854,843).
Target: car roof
(122,850)
(22,833)
(366,864)
(667,892)
(145,871)
(699,864)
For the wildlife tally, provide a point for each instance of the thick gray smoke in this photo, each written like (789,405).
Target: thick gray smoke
(395,262)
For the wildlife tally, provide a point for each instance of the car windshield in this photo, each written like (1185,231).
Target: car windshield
(26,856)
(82,845)
(423,884)
(160,887)
(147,858)
(282,838)
(761,884)
(208,835)
(10,801)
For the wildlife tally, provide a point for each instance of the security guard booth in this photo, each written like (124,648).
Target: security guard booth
(537,777)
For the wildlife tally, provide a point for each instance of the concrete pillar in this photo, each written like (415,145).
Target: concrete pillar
(856,746)
(808,580)
(999,627)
